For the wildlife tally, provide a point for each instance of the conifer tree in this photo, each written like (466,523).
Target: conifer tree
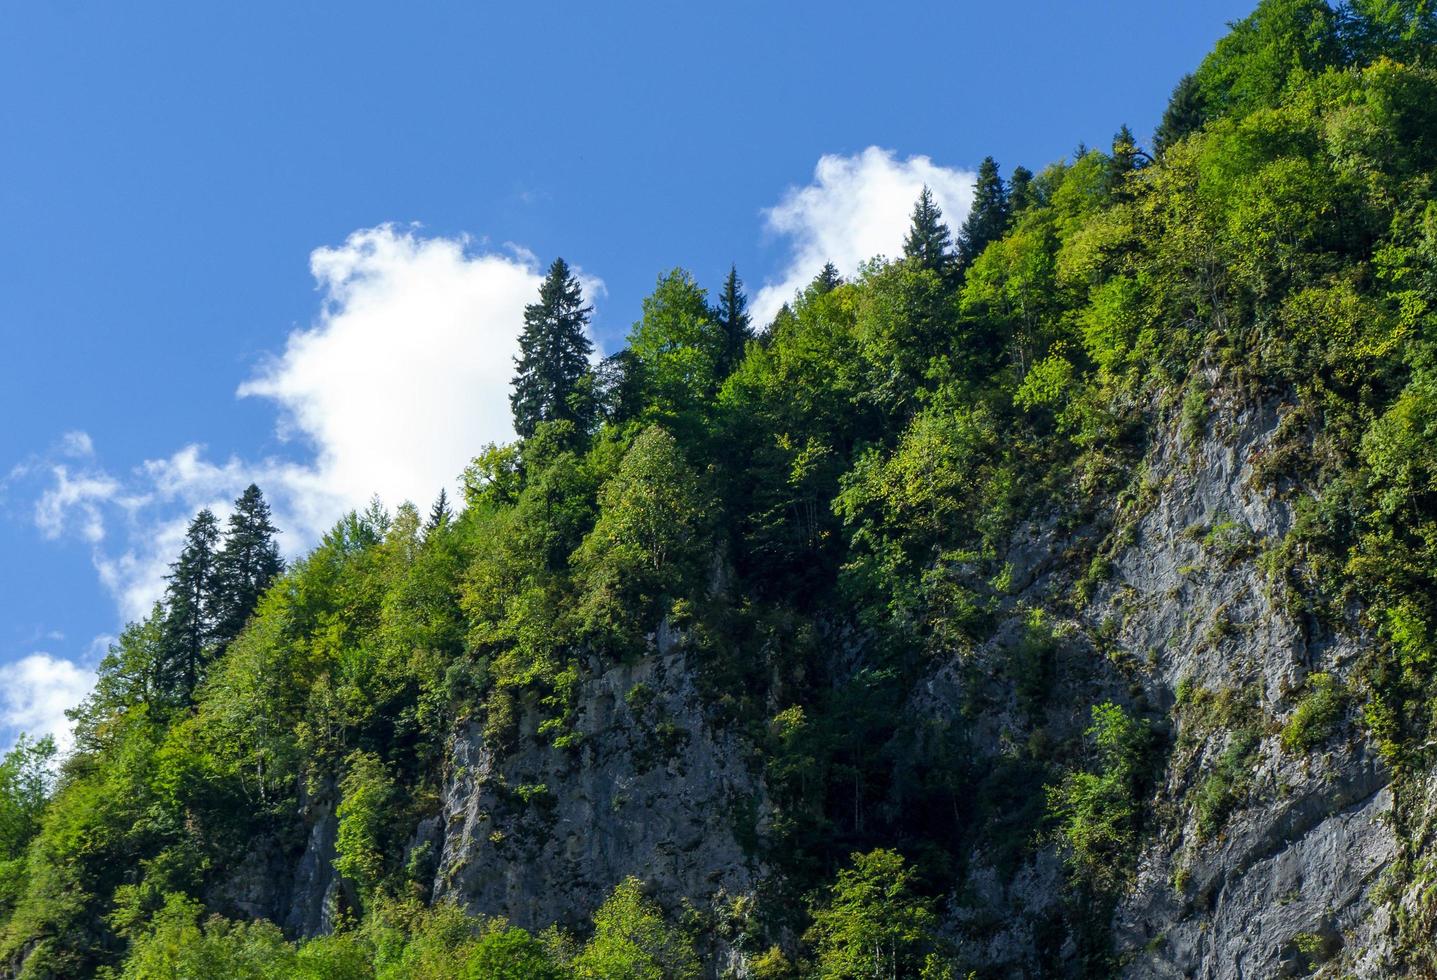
(440,513)
(553,356)
(245,565)
(827,279)
(734,320)
(190,609)
(1020,191)
(988,218)
(1183,115)
(929,241)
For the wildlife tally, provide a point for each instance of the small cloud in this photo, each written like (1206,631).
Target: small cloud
(75,501)
(856,207)
(35,692)
(77,445)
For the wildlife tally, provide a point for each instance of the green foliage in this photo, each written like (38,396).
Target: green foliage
(365,792)
(632,941)
(929,241)
(1098,812)
(679,355)
(1226,785)
(553,360)
(825,517)
(987,217)
(875,924)
(1317,715)
(648,544)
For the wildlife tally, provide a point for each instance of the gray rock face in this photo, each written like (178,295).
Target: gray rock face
(1283,886)
(1280,881)
(542,835)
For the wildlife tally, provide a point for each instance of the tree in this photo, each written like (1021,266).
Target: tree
(1399,29)
(440,513)
(1183,115)
(554,351)
(26,774)
(1126,157)
(734,320)
(929,241)
(678,351)
(618,387)
(245,565)
(1098,813)
(988,218)
(191,602)
(633,942)
(648,541)
(827,279)
(1020,191)
(875,924)
(1250,67)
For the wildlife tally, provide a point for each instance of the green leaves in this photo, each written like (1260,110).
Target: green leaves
(874,923)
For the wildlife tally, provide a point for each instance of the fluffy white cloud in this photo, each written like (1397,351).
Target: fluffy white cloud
(406,373)
(856,207)
(403,376)
(34,693)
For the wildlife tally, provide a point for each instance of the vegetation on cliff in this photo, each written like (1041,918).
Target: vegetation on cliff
(850,477)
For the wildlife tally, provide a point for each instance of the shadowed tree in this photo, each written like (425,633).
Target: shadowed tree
(1020,191)
(734,320)
(988,218)
(827,279)
(245,565)
(1183,115)
(190,609)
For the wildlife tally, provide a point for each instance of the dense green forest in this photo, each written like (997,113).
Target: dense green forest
(817,512)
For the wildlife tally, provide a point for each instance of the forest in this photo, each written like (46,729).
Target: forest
(822,527)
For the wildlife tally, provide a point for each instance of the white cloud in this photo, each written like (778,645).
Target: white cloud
(36,690)
(402,378)
(406,374)
(77,444)
(80,496)
(857,207)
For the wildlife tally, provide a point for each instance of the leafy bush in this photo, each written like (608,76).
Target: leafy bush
(1317,715)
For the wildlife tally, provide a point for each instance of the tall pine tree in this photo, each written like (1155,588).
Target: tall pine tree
(929,240)
(988,218)
(734,320)
(190,610)
(553,356)
(245,565)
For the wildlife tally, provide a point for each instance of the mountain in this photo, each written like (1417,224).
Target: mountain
(1062,605)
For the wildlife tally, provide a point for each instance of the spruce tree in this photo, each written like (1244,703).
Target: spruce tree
(190,609)
(988,218)
(928,242)
(440,513)
(553,356)
(827,279)
(1183,115)
(245,565)
(1020,191)
(734,320)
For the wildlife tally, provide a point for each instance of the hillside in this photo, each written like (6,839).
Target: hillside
(1058,598)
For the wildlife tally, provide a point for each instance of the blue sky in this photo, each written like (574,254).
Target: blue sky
(288,241)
